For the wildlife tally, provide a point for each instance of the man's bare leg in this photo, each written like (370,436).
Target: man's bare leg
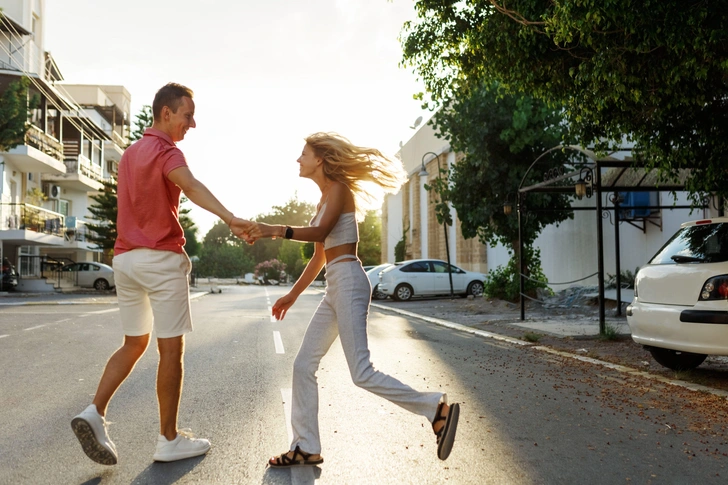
(118,368)
(169,383)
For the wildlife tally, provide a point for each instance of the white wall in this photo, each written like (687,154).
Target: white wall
(569,251)
(394,224)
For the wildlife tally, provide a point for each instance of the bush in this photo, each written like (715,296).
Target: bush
(627,279)
(270,270)
(503,283)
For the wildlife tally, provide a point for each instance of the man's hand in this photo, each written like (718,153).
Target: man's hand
(245,230)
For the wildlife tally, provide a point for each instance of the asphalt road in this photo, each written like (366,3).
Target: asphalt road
(528,417)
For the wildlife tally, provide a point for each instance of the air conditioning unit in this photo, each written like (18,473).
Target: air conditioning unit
(53,191)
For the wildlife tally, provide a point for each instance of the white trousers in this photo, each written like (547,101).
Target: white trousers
(343,312)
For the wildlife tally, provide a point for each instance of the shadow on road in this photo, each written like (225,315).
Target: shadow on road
(299,475)
(167,473)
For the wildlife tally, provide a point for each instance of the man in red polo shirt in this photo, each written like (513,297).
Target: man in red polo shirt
(151,269)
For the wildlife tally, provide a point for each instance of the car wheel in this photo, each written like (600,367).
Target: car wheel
(475,288)
(101,284)
(378,295)
(676,359)
(403,292)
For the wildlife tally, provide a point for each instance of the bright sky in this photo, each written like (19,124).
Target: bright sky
(265,73)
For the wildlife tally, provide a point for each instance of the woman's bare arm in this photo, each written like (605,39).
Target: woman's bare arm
(339,199)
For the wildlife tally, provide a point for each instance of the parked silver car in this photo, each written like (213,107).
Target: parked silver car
(428,277)
(92,275)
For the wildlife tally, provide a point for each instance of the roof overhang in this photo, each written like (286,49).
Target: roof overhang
(89,125)
(7,24)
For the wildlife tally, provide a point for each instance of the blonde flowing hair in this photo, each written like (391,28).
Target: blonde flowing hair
(366,171)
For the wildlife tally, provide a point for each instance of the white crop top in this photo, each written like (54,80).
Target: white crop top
(345,231)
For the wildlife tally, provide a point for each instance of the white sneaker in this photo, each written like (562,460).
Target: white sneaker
(90,429)
(185,445)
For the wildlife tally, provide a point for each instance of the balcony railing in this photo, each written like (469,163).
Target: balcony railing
(119,140)
(78,233)
(82,165)
(31,218)
(36,138)
(8,67)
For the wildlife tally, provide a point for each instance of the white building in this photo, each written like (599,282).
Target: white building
(74,141)
(568,251)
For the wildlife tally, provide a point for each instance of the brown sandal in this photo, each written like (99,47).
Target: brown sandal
(446,435)
(285,461)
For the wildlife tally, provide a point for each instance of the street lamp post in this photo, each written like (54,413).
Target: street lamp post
(423,173)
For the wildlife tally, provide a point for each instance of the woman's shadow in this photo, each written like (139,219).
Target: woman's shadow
(303,475)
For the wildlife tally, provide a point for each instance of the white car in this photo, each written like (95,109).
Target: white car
(92,275)
(428,277)
(373,274)
(680,307)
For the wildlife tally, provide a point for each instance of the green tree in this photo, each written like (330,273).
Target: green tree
(13,114)
(293,213)
(651,72)
(370,239)
(500,137)
(291,255)
(223,255)
(104,210)
(144,120)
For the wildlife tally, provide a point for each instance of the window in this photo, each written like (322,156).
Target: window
(52,123)
(418,267)
(63,207)
(703,244)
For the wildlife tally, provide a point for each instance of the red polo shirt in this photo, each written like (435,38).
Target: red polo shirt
(148,203)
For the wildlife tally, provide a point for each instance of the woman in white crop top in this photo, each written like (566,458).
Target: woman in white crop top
(340,169)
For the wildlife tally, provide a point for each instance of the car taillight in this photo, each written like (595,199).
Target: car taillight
(715,288)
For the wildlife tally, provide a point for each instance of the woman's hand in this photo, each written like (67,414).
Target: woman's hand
(246,230)
(282,305)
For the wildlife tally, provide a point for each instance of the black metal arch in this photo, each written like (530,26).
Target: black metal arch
(618,181)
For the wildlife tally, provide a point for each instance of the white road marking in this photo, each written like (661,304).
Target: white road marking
(278,342)
(33,328)
(3,336)
(103,311)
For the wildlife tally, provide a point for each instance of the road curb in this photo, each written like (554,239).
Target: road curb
(620,368)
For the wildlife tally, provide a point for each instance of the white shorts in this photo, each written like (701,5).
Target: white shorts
(153,292)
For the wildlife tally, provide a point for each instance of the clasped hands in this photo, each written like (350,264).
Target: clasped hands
(251,231)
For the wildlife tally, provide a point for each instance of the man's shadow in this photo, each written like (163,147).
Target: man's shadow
(304,475)
(159,473)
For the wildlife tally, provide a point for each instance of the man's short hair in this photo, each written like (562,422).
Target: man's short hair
(171,96)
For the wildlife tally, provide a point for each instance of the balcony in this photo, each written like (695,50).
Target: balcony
(76,234)
(114,149)
(26,224)
(83,166)
(80,174)
(39,153)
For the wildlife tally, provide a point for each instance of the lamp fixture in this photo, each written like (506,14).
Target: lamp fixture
(583,186)
(507,208)
(423,170)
